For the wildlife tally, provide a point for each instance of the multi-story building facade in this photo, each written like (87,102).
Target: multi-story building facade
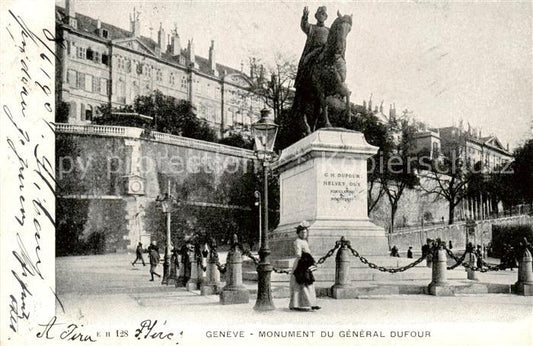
(474,148)
(100,63)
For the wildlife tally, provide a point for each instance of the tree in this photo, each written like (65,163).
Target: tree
(399,173)
(170,115)
(277,93)
(449,176)
(523,172)
(237,140)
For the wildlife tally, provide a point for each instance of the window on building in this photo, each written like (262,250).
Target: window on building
(104,87)
(159,76)
(82,111)
(88,82)
(71,78)
(80,81)
(68,47)
(128,66)
(89,113)
(105,33)
(105,59)
(96,57)
(72,112)
(96,85)
(183,82)
(171,78)
(90,54)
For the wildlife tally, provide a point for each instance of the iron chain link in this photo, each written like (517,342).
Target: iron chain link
(329,253)
(384,269)
(252,257)
(458,260)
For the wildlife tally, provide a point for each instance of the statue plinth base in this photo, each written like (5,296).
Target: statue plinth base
(323,180)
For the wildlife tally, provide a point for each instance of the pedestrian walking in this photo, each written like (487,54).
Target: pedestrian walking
(154,260)
(410,252)
(302,289)
(139,254)
(394,252)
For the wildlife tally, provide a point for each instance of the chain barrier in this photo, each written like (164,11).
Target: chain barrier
(252,257)
(329,253)
(458,260)
(384,269)
(491,267)
(281,271)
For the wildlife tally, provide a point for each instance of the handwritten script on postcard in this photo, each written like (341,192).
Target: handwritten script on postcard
(28,183)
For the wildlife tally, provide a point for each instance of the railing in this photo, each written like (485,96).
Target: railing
(438,226)
(102,130)
(134,132)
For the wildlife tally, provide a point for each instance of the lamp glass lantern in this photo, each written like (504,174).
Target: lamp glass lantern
(264,132)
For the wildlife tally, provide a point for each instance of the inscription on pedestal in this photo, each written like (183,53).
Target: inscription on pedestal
(342,187)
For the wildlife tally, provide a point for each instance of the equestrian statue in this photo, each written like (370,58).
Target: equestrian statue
(321,72)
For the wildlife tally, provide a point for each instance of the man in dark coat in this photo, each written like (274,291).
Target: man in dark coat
(154,260)
(139,254)
(410,252)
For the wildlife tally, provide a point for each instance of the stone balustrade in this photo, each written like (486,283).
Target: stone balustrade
(134,132)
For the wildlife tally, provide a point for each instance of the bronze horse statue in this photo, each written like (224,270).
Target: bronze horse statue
(323,86)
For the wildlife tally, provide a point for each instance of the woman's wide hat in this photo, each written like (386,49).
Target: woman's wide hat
(303,225)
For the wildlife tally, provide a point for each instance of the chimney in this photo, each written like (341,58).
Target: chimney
(370,103)
(261,74)
(71,13)
(507,146)
(135,24)
(212,61)
(190,51)
(252,69)
(162,38)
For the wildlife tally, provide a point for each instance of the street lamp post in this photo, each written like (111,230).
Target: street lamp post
(257,196)
(264,132)
(165,203)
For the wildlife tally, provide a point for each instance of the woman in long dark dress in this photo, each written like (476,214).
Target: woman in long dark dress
(303,295)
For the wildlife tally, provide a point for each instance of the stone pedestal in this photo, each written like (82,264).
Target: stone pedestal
(212,284)
(234,292)
(439,285)
(323,179)
(193,283)
(524,285)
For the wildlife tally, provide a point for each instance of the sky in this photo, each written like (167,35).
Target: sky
(443,61)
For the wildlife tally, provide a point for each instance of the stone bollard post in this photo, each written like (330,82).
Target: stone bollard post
(524,285)
(193,282)
(173,269)
(234,292)
(472,274)
(340,290)
(180,281)
(212,283)
(439,286)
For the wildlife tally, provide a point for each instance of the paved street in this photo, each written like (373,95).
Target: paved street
(107,291)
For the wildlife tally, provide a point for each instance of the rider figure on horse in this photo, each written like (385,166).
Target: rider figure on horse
(317,36)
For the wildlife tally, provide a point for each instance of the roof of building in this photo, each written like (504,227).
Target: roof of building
(488,141)
(88,26)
